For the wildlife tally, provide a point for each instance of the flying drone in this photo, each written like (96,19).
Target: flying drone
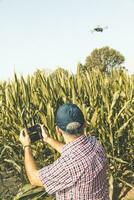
(99,29)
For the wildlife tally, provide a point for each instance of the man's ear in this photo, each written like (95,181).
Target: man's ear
(85,124)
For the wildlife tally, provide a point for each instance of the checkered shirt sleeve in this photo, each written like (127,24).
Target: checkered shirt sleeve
(55,177)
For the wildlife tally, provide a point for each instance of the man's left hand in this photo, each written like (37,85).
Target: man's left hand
(24,138)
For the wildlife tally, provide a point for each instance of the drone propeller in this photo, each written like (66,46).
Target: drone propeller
(92,31)
(105,27)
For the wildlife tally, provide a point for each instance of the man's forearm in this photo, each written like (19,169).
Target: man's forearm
(30,164)
(55,144)
(31,168)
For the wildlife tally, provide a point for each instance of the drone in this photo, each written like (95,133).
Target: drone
(99,29)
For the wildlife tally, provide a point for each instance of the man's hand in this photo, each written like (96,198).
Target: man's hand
(44,133)
(24,138)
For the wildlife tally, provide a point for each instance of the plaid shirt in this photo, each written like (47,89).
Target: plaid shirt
(80,172)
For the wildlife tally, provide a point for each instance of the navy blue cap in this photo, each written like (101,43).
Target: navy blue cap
(70,118)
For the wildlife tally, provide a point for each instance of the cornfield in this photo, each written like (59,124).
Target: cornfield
(107,101)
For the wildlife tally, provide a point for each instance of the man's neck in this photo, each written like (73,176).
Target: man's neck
(70,138)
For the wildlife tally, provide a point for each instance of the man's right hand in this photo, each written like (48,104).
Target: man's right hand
(44,132)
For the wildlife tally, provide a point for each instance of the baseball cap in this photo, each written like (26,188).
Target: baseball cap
(70,118)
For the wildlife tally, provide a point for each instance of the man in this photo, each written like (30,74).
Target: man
(80,172)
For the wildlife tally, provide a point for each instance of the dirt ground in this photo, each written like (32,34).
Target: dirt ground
(9,185)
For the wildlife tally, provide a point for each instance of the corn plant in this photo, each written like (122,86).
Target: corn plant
(107,101)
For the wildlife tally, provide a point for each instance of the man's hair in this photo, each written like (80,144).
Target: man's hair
(75,128)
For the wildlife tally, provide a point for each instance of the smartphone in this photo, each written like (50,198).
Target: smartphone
(35,133)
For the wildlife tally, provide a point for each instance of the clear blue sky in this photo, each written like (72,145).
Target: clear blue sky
(50,33)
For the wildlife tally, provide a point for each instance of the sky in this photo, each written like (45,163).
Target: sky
(46,34)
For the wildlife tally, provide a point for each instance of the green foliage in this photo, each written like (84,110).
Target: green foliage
(107,101)
(104,58)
